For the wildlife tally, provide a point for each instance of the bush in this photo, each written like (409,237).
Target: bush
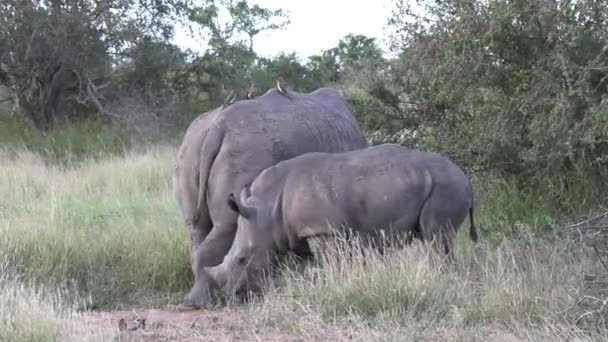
(516,87)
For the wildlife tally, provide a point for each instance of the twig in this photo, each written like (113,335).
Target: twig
(255,335)
(593,312)
(588,220)
(600,257)
(590,297)
(583,316)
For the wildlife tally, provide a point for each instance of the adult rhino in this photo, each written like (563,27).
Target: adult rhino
(387,188)
(225,149)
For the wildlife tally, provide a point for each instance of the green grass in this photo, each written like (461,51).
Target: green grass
(66,143)
(108,227)
(72,142)
(509,210)
(104,232)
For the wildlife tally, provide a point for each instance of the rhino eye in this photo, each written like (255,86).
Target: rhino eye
(241,260)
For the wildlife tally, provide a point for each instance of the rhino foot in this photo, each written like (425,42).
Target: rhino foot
(199,297)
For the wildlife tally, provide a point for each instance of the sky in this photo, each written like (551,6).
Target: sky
(316,25)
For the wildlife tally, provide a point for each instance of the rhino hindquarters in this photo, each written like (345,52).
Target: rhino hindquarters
(441,216)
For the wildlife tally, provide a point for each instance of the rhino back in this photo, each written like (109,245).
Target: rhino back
(364,189)
(302,123)
(266,130)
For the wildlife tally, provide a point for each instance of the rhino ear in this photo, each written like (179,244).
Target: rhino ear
(237,205)
(232,203)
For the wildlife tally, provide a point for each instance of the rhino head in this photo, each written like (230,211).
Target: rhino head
(254,249)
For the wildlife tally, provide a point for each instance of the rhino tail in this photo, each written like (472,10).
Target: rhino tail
(472,231)
(209,150)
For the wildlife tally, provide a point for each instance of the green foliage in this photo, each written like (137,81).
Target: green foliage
(244,19)
(229,62)
(508,209)
(57,56)
(148,63)
(516,87)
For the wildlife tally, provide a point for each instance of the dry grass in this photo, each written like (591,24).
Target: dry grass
(33,313)
(106,233)
(524,290)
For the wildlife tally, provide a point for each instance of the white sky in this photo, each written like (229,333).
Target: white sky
(315,25)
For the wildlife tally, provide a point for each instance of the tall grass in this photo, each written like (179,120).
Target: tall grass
(66,144)
(107,231)
(516,291)
(71,142)
(27,314)
(109,228)
(41,314)
(509,209)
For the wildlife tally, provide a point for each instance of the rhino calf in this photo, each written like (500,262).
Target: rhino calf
(387,187)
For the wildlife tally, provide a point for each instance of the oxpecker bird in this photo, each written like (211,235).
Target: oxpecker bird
(252,91)
(282,86)
(230,98)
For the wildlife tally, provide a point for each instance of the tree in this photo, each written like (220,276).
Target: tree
(324,68)
(358,64)
(229,62)
(244,20)
(289,67)
(354,51)
(58,56)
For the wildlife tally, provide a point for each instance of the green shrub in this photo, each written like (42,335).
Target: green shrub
(515,87)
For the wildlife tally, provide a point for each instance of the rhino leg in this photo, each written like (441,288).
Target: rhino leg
(206,264)
(213,249)
(440,219)
(399,234)
(200,294)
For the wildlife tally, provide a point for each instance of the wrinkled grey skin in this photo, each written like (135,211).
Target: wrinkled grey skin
(186,185)
(227,148)
(386,187)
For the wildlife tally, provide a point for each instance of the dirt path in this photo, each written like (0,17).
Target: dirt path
(173,324)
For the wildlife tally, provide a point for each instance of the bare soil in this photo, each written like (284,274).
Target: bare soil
(173,324)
